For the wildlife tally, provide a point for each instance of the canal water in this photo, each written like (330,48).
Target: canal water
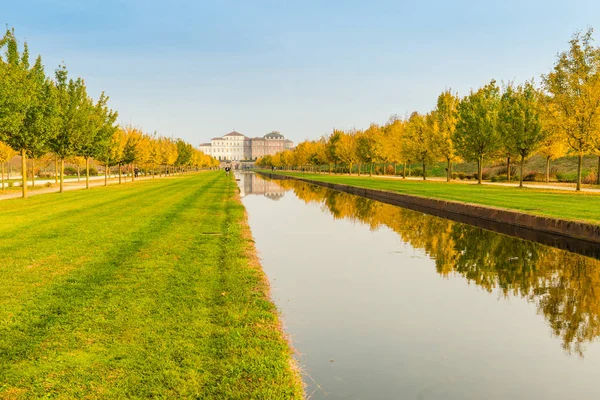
(381,302)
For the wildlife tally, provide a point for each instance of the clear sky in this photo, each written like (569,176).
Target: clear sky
(199,69)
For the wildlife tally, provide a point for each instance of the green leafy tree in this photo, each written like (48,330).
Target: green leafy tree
(97,130)
(185,152)
(73,117)
(476,133)
(519,122)
(22,102)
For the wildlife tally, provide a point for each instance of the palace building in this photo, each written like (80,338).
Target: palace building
(237,147)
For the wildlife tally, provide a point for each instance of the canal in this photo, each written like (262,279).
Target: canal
(382,302)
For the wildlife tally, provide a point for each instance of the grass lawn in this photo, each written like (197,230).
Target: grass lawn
(136,291)
(551,203)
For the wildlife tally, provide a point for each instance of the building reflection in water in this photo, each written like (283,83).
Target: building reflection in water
(565,286)
(252,184)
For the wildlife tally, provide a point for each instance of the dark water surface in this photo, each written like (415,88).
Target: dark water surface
(383,302)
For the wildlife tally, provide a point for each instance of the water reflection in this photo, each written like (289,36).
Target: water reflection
(254,185)
(565,287)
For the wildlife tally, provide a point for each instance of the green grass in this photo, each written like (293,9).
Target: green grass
(137,291)
(550,203)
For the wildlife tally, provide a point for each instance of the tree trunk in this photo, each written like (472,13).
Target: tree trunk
(548,169)
(579,162)
(598,172)
(106,174)
(120,173)
(424,171)
(78,173)
(479,169)
(24,173)
(56,170)
(508,169)
(350,170)
(32,172)
(448,170)
(87,172)
(62,174)
(521,177)
(409,169)
(404,170)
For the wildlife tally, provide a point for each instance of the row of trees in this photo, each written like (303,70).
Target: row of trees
(561,116)
(40,115)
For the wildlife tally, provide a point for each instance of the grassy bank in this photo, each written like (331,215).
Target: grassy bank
(137,291)
(550,203)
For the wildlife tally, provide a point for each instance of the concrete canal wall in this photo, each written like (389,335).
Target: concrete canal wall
(553,226)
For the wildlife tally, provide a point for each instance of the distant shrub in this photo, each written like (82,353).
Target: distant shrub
(416,172)
(566,177)
(500,178)
(45,174)
(390,170)
(93,171)
(70,171)
(459,175)
(590,178)
(529,176)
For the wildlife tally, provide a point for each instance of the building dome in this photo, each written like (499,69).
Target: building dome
(273,135)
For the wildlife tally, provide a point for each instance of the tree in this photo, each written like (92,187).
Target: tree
(24,102)
(573,88)
(519,122)
(130,155)
(96,133)
(332,147)
(369,146)
(447,117)
(421,131)
(347,149)
(476,135)
(184,153)
(6,154)
(394,141)
(73,117)
(168,151)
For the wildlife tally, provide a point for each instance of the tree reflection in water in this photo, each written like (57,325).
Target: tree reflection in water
(564,286)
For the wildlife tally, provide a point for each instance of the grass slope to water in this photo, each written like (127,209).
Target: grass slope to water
(137,291)
(549,203)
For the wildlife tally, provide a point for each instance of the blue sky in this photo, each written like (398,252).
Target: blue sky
(199,69)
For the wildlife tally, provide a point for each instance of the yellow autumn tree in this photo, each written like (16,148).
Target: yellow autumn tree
(6,154)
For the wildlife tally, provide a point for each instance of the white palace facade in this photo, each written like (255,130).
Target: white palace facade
(237,147)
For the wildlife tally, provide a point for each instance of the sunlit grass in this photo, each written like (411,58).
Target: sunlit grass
(545,202)
(137,291)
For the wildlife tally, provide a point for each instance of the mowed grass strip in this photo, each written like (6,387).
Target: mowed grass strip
(582,206)
(136,291)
